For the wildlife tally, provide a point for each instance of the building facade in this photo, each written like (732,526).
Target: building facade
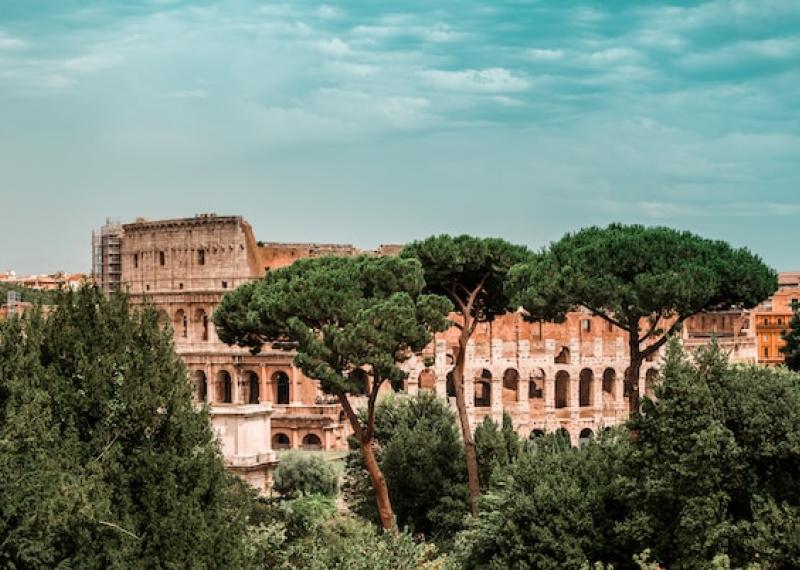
(773,316)
(547,376)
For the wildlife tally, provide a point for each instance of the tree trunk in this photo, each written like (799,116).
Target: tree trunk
(466,430)
(379,485)
(633,375)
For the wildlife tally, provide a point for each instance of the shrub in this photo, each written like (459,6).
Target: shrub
(305,473)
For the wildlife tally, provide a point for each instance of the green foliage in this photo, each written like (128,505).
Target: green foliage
(635,272)
(341,313)
(715,465)
(549,509)
(306,533)
(454,265)
(303,473)
(422,458)
(104,460)
(495,447)
(792,339)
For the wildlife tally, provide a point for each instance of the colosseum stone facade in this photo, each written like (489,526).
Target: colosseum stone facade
(547,376)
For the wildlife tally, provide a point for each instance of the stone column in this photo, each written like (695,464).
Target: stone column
(597,393)
(266,392)
(523,388)
(550,392)
(441,383)
(237,378)
(295,439)
(574,395)
(294,392)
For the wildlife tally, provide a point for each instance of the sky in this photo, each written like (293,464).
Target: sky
(382,122)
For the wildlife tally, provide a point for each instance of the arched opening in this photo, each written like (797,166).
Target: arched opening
(201,384)
(224,387)
(253,388)
(360,380)
(281,381)
(536,434)
(563,435)
(562,389)
(609,381)
(510,385)
(584,437)
(563,356)
(650,378)
(451,385)
(627,389)
(536,385)
(427,380)
(312,442)
(201,317)
(281,441)
(586,380)
(181,324)
(483,390)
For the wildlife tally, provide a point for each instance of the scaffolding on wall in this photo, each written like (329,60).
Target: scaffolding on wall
(106,256)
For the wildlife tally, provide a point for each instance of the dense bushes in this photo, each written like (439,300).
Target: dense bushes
(303,473)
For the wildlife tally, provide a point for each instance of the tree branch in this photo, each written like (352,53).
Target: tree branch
(660,342)
(119,528)
(459,302)
(605,317)
(351,415)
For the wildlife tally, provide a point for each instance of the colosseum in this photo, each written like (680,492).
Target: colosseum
(547,376)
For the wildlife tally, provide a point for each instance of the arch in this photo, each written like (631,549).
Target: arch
(281,381)
(609,381)
(536,384)
(585,437)
(563,434)
(536,433)
(562,389)
(427,380)
(312,442)
(201,318)
(563,356)
(451,385)
(627,389)
(253,388)
(585,387)
(181,324)
(202,386)
(224,387)
(510,385)
(483,390)
(281,441)
(650,379)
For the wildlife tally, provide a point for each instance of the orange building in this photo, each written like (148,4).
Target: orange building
(772,318)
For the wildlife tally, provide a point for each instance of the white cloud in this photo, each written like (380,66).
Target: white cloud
(187,94)
(334,47)
(489,80)
(11,43)
(539,54)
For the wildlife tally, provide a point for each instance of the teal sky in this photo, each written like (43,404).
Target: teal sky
(381,122)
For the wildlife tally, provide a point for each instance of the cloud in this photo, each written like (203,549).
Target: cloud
(489,80)
(11,43)
(334,47)
(539,54)
(187,94)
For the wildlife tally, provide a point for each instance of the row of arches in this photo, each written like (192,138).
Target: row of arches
(250,393)
(482,393)
(191,326)
(310,442)
(584,437)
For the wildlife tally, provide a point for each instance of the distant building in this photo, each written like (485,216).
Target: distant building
(772,318)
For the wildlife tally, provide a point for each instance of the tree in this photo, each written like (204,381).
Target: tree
(792,347)
(644,281)
(471,272)
(495,447)
(300,473)
(422,456)
(352,321)
(104,460)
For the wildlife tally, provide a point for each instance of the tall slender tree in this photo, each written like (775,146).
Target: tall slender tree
(471,272)
(792,339)
(341,315)
(646,281)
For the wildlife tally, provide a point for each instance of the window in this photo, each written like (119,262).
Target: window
(161,259)
(586,325)
(224,284)
(201,257)
(766,321)
(180,285)
(780,321)
(610,327)
(135,260)
(765,337)
(147,287)
(766,352)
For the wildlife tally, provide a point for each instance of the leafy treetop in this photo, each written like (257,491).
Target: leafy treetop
(458,267)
